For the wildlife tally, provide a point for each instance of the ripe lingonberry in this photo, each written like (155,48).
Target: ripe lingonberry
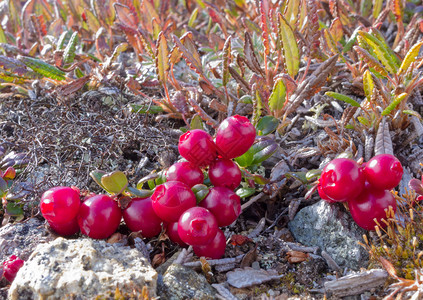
(215,249)
(234,136)
(65,229)
(383,171)
(342,179)
(371,204)
(226,173)
(323,196)
(224,204)
(197,147)
(197,226)
(11,267)
(99,217)
(172,233)
(171,199)
(185,172)
(60,204)
(139,215)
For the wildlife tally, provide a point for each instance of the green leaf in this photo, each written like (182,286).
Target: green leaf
(97,175)
(277,97)
(146,109)
(14,209)
(371,61)
(193,17)
(343,98)
(412,113)
(43,68)
(301,176)
(262,150)
(246,159)
(410,57)
(139,193)
(377,8)
(260,179)
(291,54)
(313,174)
(114,182)
(200,191)
(69,52)
(380,48)
(394,104)
(3,187)
(197,123)
(267,125)
(351,41)
(245,192)
(364,121)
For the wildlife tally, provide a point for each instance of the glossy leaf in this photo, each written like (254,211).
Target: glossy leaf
(245,192)
(97,175)
(197,123)
(394,104)
(139,193)
(162,61)
(343,98)
(200,191)
(278,96)
(114,182)
(290,47)
(410,57)
(267,125)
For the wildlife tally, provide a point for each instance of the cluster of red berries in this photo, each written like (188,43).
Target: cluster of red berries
(173,203)
(11,267)
(365,187)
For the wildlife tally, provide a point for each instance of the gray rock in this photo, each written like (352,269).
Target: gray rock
(84,268)
(333,230)
(20,239)
(181,282)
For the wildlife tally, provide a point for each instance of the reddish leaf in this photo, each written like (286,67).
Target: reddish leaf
(125,16)
(250,56)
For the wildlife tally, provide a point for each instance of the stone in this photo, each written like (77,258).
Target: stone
(331,228)
(83,267)
(20,239)
(180,282)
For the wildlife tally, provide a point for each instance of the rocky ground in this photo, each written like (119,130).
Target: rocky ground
(292,247)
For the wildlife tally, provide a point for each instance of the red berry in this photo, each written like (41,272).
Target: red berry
(323,196)
(215,249)
(99,217)
(234,136)
(172,233)
(370,204)
(197,226)
(224,204)
(185,172)
(60,204)
(342,179)
(197,147)
(66,229)
(171,199)
(224,172)
(11,267)
(139,215)
(384,171)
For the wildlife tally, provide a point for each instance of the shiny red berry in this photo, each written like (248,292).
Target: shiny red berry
(226,173)
(197,147)
(224,204)
(60,204)
(65,229)
(371,204)
(172,233)
(99,217)
(197,226)
(185,172)
(234,136)
(215,249)
(383,171)
(139,216)
(323,196)
(342,179)
(11,267)
(171,199)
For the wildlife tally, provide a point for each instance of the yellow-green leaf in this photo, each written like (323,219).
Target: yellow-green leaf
(410,57)
(343,98)
(380,49)
(162,63)
(193,17)
(277,97)
(394,104)
(114,182)
(290,48)
(368,85)
(336,30)
(377,8)
(371,61)
(330,41)
(291,11)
